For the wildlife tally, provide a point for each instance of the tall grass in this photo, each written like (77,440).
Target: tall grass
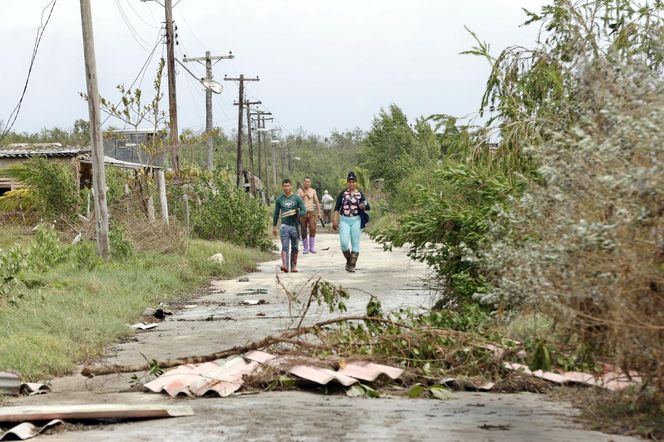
(67,315)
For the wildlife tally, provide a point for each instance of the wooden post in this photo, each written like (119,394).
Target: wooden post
(252,181)
(172,96)
(208,100)
(240,109)
(163,201)
(240,105)
(98,172)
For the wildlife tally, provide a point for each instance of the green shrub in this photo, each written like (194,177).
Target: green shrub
(54,185)
(225,212)
(448,219)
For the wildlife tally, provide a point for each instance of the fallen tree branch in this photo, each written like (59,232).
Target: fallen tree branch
(285,337)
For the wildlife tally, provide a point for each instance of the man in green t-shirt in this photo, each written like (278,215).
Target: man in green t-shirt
(290,207)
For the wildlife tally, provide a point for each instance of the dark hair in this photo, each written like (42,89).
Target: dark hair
(286,181)
(307,178)
(351,176)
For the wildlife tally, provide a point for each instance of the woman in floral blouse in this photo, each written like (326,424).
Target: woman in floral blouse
(350,204)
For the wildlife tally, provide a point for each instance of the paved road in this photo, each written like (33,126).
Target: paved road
(217,319)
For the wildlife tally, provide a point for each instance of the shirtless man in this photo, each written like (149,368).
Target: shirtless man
(308,221)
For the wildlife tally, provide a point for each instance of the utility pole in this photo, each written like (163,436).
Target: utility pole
(262,149)
(251,145)
(274,162)
(208,100)
(172,98)
(98,172)
(240,105)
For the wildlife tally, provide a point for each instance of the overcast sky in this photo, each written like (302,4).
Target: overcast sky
(323,64)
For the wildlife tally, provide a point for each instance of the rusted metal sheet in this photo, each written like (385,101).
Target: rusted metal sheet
(26,430)
(10,384)
(610,380)
(92,411)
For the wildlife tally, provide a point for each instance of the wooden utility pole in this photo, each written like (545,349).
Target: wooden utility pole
(98,172)
(262,150)
(274,162)
(251,145)
(172,97)
(240,105)
(208,100)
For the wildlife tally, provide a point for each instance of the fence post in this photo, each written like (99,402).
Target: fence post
(162,195)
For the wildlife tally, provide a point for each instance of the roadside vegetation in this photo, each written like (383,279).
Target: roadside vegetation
(61,305)
(543,226)
(549,217)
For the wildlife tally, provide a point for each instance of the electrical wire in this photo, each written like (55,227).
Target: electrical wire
(152,25)
(40,33)
(131,28)
(191,29)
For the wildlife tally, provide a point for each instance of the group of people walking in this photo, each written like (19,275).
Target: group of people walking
(300,210)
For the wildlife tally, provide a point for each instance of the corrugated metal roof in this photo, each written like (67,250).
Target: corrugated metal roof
(225,378)
(119,163)
(27,150)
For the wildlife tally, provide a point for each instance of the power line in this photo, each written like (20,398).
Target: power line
(152,25)
(40,33)
(131,28)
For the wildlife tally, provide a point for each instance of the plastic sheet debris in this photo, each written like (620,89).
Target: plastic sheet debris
(253,302)
(143,326)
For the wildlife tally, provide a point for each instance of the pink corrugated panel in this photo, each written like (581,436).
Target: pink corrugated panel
(370,371)
(321,376)
(225,380)
(174,380)
(259,356)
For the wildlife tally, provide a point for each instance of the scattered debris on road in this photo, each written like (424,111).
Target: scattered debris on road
(56,414)
(11,385)
(226,377)
(144,326)
(27,430)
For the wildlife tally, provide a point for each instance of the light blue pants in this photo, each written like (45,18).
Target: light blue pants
(349,232)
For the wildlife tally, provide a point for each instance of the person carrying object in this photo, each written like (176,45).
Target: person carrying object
(289,207)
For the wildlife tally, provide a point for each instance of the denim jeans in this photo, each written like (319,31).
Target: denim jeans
(289,238)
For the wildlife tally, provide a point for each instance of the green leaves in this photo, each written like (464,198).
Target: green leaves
(228,213)
(429,391)
(53,185)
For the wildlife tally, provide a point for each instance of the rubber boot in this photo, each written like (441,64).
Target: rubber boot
(353,261)
(312,242)
(305,245)
(293,262)
(347,255)
(284,261)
